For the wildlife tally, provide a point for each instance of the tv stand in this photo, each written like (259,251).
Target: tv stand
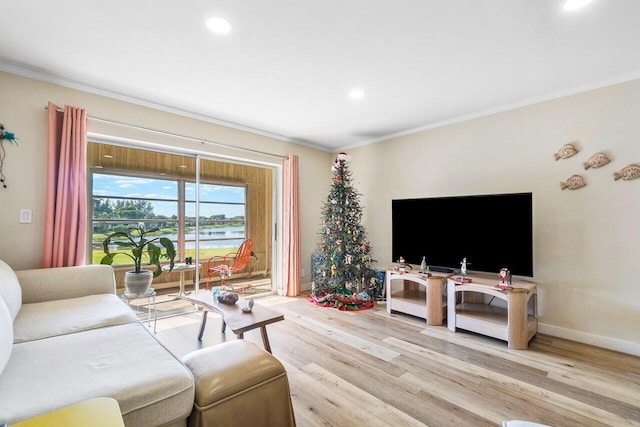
(467,309)
(416,294)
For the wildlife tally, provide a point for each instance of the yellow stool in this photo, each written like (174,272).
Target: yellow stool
(98,412)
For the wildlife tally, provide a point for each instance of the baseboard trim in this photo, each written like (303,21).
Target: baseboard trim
(591,339)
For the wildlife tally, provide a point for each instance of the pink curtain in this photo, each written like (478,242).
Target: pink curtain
(291,228)
(65,234)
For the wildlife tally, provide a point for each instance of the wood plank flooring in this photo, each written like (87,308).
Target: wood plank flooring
(370,368)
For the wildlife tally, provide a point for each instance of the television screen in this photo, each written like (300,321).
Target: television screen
(491,231)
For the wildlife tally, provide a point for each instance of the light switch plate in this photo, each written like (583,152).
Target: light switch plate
(25,216)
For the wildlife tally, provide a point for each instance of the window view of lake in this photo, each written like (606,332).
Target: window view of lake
(121,201)
(233,237)
(225,237)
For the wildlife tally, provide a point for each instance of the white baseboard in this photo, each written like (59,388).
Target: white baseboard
(586,338)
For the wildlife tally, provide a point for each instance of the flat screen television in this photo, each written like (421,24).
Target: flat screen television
(492,231)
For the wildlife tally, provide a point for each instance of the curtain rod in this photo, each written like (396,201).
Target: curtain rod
(175,135)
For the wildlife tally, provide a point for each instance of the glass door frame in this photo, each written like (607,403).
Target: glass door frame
(277,182)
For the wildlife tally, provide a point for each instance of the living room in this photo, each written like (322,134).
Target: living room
(585,255)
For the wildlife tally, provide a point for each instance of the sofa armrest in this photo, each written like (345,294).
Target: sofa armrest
(48,284)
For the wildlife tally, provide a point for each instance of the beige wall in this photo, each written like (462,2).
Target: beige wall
(22,112)
(586,242)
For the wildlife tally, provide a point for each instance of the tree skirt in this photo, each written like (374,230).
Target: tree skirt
(342,302)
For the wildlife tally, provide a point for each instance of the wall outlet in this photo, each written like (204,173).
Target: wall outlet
(303,273)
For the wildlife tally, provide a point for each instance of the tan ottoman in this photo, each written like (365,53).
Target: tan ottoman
(239,384)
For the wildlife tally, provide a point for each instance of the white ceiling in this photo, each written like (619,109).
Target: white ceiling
(287,66)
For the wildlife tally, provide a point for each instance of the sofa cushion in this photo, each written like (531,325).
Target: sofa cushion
(124,362)
(6,335)
(10,290)
(48,284)
(47,319)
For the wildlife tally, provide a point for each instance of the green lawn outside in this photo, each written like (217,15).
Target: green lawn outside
(205,254)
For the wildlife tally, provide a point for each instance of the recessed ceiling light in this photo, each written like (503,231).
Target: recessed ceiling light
(219,25)
(356,93)
(571,5)
(182,166)
(108,156)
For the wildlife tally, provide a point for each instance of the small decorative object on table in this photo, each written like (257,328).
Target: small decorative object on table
(423,265)
(248,307)
(463,267)
(463,278)
(505,276)
(229,298)
(505,280)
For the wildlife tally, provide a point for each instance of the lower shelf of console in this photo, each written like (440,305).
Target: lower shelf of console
(412,302)
(489,320)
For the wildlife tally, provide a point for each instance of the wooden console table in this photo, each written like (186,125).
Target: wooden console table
(515,323)
(416,294)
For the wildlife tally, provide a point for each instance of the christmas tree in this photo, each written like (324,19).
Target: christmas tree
(342,269)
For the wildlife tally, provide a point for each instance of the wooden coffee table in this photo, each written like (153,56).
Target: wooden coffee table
(232,315)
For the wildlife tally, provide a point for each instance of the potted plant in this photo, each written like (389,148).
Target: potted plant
(132,243)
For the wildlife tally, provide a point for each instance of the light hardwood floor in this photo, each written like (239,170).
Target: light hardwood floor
(369,368)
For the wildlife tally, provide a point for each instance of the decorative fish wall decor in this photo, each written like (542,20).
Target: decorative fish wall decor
(597,160)
(628,172)
(566,151)
(573,183)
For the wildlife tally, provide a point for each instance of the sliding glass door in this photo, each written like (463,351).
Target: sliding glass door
(207,214)
(235,205)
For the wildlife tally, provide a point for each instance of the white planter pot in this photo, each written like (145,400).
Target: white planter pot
(137,283)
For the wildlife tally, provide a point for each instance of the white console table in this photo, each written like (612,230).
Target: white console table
(417,295)
(516,323)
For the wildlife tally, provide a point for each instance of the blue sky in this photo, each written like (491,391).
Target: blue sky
(131,186)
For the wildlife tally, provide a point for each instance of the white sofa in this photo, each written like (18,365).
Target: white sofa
(65,337)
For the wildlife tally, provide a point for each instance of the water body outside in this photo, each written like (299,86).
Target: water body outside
(227,239)
(233,237)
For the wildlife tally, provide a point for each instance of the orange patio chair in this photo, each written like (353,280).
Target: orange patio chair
(225,266)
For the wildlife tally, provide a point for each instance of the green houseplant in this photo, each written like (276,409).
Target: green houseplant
(133,243)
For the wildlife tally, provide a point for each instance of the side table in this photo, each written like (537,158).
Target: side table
(181,268)
(150,295)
